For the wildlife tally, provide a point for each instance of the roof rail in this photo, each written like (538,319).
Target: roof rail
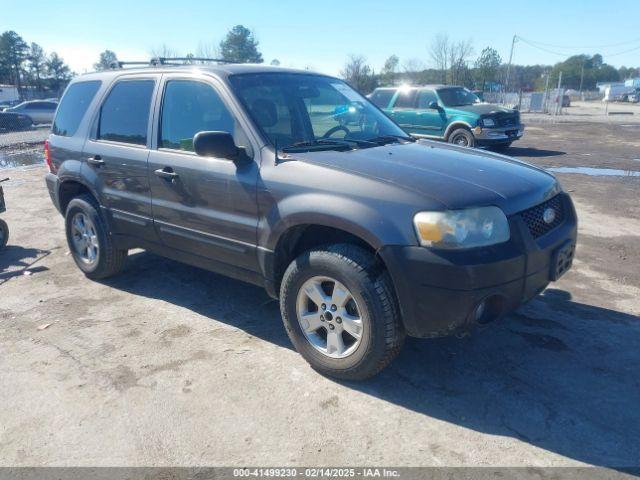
(167,61)
(118,64)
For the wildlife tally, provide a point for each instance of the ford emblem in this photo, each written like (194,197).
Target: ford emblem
(549,215)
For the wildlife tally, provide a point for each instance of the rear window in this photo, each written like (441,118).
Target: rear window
(74,105)
(124,115)
(381,98)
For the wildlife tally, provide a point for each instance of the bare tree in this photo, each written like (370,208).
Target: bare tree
(439,51)
(163,51)
(207,50)
(358,74)
(459,54)
(412,69)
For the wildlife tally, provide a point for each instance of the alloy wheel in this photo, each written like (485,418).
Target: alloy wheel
(85,238)
(329,317)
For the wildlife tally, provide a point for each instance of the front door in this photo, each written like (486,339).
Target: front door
(428,121)
(202,205)
(115,156)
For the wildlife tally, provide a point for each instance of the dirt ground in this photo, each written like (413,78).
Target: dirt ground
(170,365)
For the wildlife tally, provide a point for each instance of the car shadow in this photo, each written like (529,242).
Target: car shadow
(528,152)
(557,374)
(16,260)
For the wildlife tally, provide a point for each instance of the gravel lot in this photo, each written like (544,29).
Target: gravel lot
(171,365)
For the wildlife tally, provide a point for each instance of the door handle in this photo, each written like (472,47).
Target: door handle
(96,161)
(167,173)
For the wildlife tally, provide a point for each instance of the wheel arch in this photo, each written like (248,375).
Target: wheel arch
(304,228)
(455,125)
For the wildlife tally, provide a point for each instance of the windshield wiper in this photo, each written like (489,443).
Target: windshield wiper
(327,143)
(384,139)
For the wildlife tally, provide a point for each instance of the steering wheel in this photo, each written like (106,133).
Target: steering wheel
(335,129)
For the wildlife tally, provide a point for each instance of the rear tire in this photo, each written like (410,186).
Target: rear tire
(89,240)
(379,333)
(462,137)
(4,234)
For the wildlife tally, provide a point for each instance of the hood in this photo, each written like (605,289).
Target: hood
(480,109)
(455,177)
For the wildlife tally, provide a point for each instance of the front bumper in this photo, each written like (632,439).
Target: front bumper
(439,291)
(494,136)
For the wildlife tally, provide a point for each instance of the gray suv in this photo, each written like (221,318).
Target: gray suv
(365,234)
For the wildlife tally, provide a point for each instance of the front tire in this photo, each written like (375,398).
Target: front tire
(89,240)
(462,137)
(340,312)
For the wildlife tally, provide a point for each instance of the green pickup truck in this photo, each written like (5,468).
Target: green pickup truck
(450,113)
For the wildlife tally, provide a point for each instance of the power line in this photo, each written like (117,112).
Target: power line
(582,46)
(534,45)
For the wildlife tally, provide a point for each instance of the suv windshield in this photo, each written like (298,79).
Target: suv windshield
(457,96)
(313,111)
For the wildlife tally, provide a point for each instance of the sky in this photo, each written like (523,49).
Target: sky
(320,35)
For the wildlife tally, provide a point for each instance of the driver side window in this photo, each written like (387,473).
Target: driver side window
(425,98)
(189,107)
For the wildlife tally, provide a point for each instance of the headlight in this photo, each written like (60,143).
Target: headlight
(456,229)
(488,122)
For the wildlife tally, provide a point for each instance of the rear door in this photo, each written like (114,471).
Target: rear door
(207,206)
(403,110)
(116,153)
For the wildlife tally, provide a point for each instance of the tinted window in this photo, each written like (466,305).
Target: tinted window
(457,97)
(189,107)
(124,115)
(49,105)
(381,98)
(425,97)
(406,99)
(74,105)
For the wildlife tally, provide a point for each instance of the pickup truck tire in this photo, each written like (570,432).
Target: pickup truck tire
(89,240)
(4,234)
(463,137)
(343,271)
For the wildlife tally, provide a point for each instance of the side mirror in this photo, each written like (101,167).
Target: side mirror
(434,106)
(215,144)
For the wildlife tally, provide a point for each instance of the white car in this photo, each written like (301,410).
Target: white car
(40,111)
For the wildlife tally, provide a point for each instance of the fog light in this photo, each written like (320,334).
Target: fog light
(479,312)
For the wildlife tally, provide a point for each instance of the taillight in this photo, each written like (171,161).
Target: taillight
(47,157)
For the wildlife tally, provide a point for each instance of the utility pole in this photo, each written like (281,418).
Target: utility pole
(582,78)
(506,82)
(559,96)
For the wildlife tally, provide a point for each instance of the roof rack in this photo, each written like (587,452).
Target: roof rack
(157,61)
(119,64)
(168,60)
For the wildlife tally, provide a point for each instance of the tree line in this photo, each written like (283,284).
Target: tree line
(30,68)
(447,61)
(454,62)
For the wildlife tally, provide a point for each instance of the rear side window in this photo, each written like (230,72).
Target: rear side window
(74,105)
(124,115)
(406,99)
(381,98)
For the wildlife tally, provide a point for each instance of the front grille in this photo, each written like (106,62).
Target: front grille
(507,120)
(534,217)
